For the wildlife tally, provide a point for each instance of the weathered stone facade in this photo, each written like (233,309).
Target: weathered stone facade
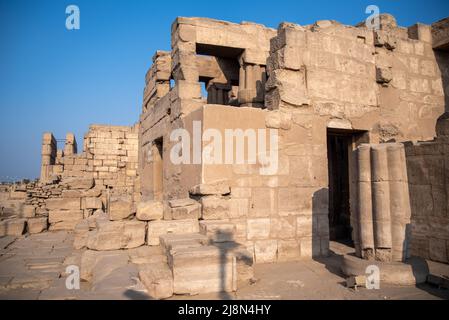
(343,111)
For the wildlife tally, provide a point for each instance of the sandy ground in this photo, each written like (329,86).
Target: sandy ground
(33,267)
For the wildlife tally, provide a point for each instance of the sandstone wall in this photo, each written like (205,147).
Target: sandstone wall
(76,185)
(378,86)
(428,175)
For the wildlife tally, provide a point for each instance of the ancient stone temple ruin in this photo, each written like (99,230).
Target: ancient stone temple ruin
(257,145)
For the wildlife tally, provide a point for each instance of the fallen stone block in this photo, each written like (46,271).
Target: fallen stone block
(218,230)
(114,235)
(172,241)
(203,269)
(158,280)
(214,208)
(182,209)
(219,187)
(150,210)
(37,225)
(147,255)
(64,219)
(90,263)
(120,208)
(12,227)
(161,227)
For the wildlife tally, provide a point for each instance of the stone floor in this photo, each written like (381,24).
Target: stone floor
(33,267)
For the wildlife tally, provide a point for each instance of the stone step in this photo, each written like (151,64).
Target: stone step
(160,227)
(202,269)
(158,279)
(172,241)
(218,230)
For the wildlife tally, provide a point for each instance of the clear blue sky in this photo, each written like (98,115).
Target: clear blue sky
(52,79)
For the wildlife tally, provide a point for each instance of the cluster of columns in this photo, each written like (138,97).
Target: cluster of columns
(382,215)
(252,81)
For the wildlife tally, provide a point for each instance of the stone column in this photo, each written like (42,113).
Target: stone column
(252,85)
(48,155)
(218,93)
(70,147)
(364,209)
(399,201)
(383,204)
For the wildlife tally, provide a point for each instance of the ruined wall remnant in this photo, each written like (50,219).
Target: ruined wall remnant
(428,174)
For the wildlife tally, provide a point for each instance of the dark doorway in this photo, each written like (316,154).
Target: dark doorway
(340,144)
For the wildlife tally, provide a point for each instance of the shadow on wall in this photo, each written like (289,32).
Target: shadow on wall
(226,274)
(442,58)
(320,223)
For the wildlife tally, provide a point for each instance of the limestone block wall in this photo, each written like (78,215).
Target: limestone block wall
(381,218)
(76,185)
(428,175)
(378,86)
(387,82)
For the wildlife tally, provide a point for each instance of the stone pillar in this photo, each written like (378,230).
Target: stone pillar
(252,81)
(364,209)
(218,93)
(399,202)
(70,147)
(383,204)
(48,155)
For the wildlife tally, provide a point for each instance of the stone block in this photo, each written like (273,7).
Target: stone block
(150,210)
(204,269)
(219,187)
(93,203)
(265,251)
(64,219)
(147,255)
(120,208)
(304,226)
(310,247)
(115,235)
(161,227)
(12,227)
(238,208)
(214,208)
(158,280)
(181,209)
(63,204)
(173,241)
(218,230)
(288,250)
(37,225)
(438,250)
(258,228)
(28,211)
(79,183)
(283,228)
